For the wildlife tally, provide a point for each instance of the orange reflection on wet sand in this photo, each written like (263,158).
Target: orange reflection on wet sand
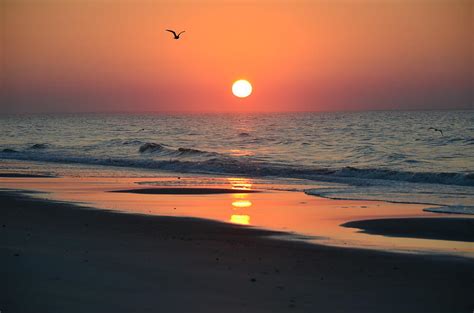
(242,204)
(293,212)
(240,219)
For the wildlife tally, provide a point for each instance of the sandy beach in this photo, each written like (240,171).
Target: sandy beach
(59,257)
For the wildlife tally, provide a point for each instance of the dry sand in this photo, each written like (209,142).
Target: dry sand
(58,257)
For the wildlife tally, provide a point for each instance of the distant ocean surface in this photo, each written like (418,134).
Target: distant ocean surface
(390,156)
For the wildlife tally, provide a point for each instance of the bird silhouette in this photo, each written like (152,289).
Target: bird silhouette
(174,33)
(436,130)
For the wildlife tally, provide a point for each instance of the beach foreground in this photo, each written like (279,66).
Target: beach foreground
(58,257)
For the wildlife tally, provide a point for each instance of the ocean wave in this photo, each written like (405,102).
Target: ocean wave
(39,146)
(448,198)
(131,142)
(164,157)
(467,141)
(8,150)
(461,179)
(452,209)
(450,190)
(151,147)
(164,150)
(194,152)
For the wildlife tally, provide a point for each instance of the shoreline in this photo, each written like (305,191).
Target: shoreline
(60,257)
(314,187)
(245,202)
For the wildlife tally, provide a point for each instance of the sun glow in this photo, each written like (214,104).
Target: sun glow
(242,88)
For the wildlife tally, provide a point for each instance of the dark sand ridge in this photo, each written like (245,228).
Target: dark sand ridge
(21,175)
(58,257)
(457,229)
(185,191)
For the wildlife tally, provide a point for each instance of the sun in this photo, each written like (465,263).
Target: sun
(242,88)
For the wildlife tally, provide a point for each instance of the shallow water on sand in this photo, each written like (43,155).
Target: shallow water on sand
(307,217)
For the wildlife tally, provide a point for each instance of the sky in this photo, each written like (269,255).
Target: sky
(319,55)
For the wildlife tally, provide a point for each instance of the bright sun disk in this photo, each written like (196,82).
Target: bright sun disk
(241,88)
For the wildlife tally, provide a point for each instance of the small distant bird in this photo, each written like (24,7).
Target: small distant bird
(436,130)
(174,33)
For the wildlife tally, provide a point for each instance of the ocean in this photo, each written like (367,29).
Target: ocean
(389,155)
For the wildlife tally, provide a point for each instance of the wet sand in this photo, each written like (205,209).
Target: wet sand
(316,219)
(457,229)
(58,257)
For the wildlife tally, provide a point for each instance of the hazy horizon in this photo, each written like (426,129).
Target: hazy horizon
(468,109)
(300,56)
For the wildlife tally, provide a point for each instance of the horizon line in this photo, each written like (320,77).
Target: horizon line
(233,112)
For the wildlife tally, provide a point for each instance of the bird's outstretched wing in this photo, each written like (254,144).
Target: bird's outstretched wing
(440,131)
(431,128)
(171,31)
(181,32)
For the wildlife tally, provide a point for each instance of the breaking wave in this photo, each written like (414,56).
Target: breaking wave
(151,147)
(164,150)
(161,156)
(39,146)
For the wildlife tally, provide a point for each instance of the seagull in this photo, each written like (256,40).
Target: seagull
(436,130)
(174,33)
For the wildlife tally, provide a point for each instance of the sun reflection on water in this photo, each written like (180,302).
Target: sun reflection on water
(241,204)
(240,201)
(240,219)
(240,183)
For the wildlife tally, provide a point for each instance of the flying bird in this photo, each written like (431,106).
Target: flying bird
(436,130)
(174,33)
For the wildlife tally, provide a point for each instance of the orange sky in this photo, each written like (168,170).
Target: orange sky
(104,55)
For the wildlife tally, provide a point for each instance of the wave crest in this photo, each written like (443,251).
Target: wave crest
(161,156)
(163,150)
(39,146)
(151,147)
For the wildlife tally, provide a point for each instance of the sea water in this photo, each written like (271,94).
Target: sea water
(392,156)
